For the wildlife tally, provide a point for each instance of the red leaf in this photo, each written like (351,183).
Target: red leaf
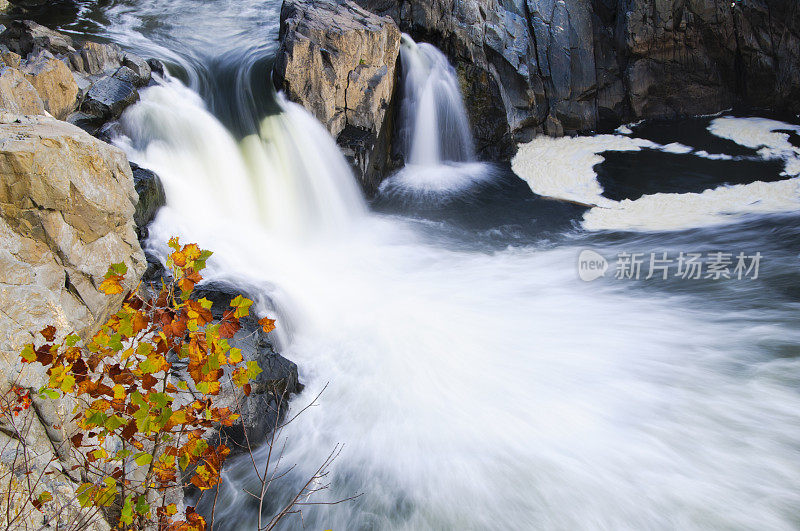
(49,333)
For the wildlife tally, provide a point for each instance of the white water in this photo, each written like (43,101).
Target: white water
(434,133)
(495,390)
(434,121)
(479,389)
(272,180)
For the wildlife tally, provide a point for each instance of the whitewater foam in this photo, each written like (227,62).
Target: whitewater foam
(563,168)
(761,134)
(663,212)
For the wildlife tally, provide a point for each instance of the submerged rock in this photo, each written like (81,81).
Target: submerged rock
(338,61)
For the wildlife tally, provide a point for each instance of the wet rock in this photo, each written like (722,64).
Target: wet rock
(25,37)
(95,58)
(271,391)
(338,60)
(139,67)
(151,198)
(565,66)
(108,97)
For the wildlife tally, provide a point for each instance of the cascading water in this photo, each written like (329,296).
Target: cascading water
(434,133)
(291,178)
(474,380)
(434,121)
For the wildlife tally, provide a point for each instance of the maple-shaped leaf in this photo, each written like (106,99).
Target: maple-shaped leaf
(49,332)
(267,324)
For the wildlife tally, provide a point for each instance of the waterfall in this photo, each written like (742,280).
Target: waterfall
(434,122)
(434,133)
(290,178)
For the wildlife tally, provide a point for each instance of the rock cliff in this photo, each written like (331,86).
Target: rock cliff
(563,66)
(338,61)
(66,213)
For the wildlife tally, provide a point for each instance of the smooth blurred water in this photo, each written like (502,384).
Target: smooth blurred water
(474,380)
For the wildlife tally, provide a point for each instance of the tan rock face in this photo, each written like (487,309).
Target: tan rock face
(338,61)
(55,84)
(66,213)
(17,95)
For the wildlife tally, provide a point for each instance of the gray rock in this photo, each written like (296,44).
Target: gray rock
(565,66)
(268,401)
(139,67)
(108,97)
(25,36)
(151,198)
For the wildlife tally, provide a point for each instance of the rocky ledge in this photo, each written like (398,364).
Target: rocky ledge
(339,61)
(557,67)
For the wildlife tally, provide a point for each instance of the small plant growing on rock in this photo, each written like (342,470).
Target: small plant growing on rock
(144,388)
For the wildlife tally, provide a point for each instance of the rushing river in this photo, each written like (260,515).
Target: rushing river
(475,381)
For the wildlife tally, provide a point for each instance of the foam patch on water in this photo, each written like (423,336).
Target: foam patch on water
(664,212)
(761,134)
(563,168)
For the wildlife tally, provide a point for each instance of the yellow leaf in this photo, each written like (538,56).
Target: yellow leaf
(111,286)
(119,392)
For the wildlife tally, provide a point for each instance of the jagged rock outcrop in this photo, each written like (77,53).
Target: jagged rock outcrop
(338,60)
(564,66)
(66,213)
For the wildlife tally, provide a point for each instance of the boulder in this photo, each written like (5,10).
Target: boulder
(54,82)
(151,198)
(268,401)
(338,60)
(95,58)
(17,95)
(66,213)
(100,79)
(108,97)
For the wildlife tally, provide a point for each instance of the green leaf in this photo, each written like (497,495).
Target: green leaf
(142,507)
(72,340)
(28,354)
(85,494)
(143,458)
(117,269)
(114,422)
(49,393)
(242,306)
(253,370)
(126,517)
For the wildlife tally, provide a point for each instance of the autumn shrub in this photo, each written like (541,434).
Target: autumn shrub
(145,387)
